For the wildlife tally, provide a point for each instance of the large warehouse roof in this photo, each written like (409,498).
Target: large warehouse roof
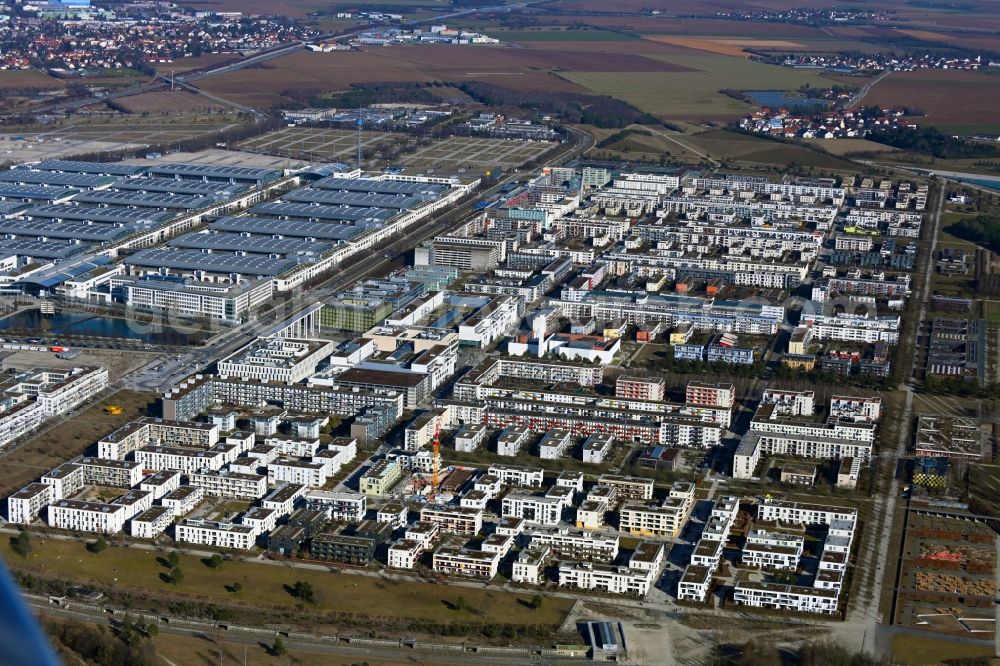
(194,260)
(252,244)
(375,186)
(320,212)
(77,166)
(98,214)
(286,228)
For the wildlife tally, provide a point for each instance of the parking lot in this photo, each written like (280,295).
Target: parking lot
(447,156)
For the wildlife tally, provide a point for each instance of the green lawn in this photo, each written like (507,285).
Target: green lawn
(265,584)
(694,94)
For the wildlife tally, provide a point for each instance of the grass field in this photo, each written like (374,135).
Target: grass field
(750,150)
(70,438)
(167,102)
(920,651)
(265,584)
(28,78)
(693,94)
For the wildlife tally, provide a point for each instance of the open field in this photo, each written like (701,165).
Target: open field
(519,68)
(69,438)
(105,134)
(189,64)
(728,46)
(118,363)
(264,584)
(28,78)
(920,651)
(752,150)
(557,34)
(937,92)
(445,156)
(167,102)
(849,146)
(694,94)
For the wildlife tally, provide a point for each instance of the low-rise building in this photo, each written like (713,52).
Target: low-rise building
(152,522)
(605,578)
(380,478)
(183,500)
(454,519)
(471,563)
(533,508)
(82,516)
(223,483)
(217,534)
(25,505)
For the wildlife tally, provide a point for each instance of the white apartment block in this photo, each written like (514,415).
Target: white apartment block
(774,511)
(404,554)
(500,544)
(570,479)
(284,360)
(523,477)
(648,556)
(786,597)
(183,500)
(532,508)
(234,485)
(606,578)
(260,519)
(218,534)
(161,483)
(18,416)
(292,446)
(61,391)
(471,563)
(591,514)
(571,544)
(454,519)
(597,447)
(66,480)
(721,519)
(666,519)
(81,516)
(470,437)
(707,553)
(151,523)
(554,444)
(424,533)
(147,431)
(695,583)
(135,502)
(853,328)
(341,506)
(294,471)
(512,440)
(24,506)
(188,461)
(856,409)
(772,550)
(395,513)
(529,567)
(102,472)
(790,403)
(283,498)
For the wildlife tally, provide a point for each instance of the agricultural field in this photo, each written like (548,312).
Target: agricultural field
(190,64)
(28,78)
(749,150)
(167,102)
(936,92)
(445,156)
(694,93)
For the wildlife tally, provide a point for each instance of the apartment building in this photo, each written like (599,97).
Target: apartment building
(775,511)
(470,437)
(60,391)
(640,388)
(666,519)
(311,474)
(628,487)
(570,544)
(218,534)
(147,431)
(161,483)
(695,583)
(380,477)
(19,416)
(183,500)
(460,562)
(135,501)
(188,461)
(102,472)
(523,477)
(152,522)
(779,596)
(25,505)
(606,578)
(772,550)
(405,553)
(453,519)
(283,498)
(529,567)
(223,483)
(286,360)
(512,440)
(533,508)
(65,480)
(345,507)
(554,444)
(710,395)
(82,516)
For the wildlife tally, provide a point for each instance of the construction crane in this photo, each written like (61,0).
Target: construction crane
(437,457)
